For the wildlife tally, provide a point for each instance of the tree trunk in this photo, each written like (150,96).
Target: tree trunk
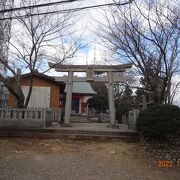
(18,94)
(20,102)
(14,88)
(29,92)
(157,98)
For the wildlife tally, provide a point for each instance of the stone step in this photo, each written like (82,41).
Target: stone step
(69,136)
(73,131)
(66,133)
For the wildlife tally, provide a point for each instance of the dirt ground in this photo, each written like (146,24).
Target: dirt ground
(51,159)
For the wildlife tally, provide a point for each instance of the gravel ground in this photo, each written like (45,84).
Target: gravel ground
(34,159)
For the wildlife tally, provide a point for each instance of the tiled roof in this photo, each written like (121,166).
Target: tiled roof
(82,88)
(41,75)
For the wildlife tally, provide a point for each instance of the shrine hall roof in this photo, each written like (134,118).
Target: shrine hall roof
(82,88)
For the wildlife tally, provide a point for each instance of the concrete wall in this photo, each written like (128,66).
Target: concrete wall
(19,124)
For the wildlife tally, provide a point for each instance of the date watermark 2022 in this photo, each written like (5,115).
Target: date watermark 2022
(168,164)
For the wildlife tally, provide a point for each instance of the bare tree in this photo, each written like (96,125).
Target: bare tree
(5,27)
(146,34)
(36,40)
(119,87)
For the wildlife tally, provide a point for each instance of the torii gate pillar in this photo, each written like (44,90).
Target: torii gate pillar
(111,99)
(68,99)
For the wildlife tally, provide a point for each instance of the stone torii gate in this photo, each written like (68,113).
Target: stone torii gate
(91,70)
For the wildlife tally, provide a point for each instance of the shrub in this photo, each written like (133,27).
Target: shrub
(159,121)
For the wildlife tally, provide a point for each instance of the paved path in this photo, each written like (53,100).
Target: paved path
(93,127)
(33,159)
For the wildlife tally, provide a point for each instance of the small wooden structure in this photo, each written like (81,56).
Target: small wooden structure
(45,91)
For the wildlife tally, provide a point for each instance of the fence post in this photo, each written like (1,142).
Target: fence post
(7,114)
